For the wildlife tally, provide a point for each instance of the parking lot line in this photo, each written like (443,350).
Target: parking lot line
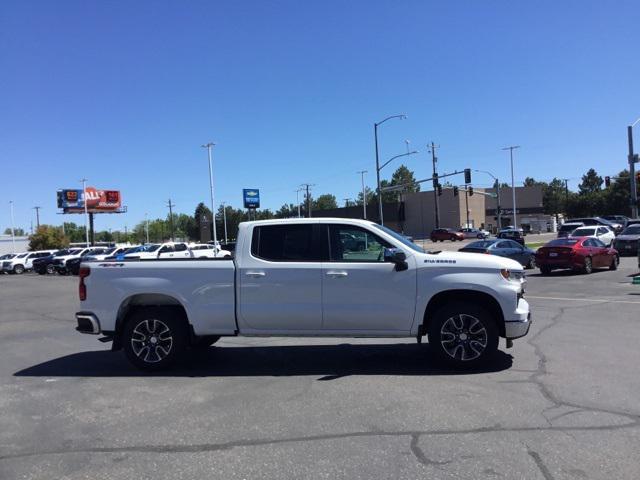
(596,300)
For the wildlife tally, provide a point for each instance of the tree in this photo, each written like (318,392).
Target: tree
(18,232)
(370,196)
(47,237)
(404,176)
(201,212)
(325,202)
(554,197)
(591,182)
(288,210)
(532,182)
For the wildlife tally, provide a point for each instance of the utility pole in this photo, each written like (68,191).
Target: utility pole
(171,205)
(466,201)
(37,209)
(298,201)
(224,216)
(13,229)
(566,194)
(364,195)
(434,159)
(498,204)
(86,213)
(633,159)
(146,226)
(513,187)
(308,198)
(209,146)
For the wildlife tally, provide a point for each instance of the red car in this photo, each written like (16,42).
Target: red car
(580,254)
(443,234)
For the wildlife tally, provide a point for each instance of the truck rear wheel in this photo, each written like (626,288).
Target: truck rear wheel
(153,338)
(463,335)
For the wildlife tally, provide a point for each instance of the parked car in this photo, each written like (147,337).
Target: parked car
(474,233)
(44,265)
(443,234)
(512,234)
(206,250)
(627,242)
(159,251)
(119,255)
(567,228)
(511,228)
(579,254)
(60,260)
(621,219)
(593,221)
(298,278)
(23,262)
(633,221)
(604,234)
(6,256)
(503,248)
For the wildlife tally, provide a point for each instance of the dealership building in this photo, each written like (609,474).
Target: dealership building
(414,213)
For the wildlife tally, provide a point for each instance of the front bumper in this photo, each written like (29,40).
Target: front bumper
(518,324)
(88,323)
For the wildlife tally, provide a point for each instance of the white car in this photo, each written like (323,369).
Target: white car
(109,252)
(162,251)
(205,250)
(60,260)
(300,277)
(602,233)
(474,233)
(22,262)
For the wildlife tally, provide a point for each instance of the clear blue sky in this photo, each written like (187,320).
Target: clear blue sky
(124,93)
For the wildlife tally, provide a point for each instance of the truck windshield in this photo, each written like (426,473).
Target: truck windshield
(401,238)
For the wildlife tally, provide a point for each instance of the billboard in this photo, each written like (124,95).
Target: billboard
(251,197)
(98,200)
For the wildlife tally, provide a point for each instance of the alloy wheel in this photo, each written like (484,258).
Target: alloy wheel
(151,340)
(463,337)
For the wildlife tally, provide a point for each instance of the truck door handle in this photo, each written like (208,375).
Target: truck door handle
(336,273)
(255,274)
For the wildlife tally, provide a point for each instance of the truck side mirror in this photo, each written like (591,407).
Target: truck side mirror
(397,256)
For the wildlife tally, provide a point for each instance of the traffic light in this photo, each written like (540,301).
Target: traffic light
(467,175)
(439,189)
(470,190)
(607,182)
(455,191)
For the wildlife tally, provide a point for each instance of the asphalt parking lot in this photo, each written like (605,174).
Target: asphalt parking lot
(564,403)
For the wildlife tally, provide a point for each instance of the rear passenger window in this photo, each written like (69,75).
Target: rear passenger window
(180,247)
(284,243)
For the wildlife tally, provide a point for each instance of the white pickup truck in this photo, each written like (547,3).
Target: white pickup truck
(303,277)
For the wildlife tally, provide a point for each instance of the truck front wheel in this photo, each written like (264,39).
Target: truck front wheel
(463,335)
(153,339)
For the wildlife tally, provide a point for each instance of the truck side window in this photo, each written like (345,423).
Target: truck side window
(180,247)
(285,243)
(353,244)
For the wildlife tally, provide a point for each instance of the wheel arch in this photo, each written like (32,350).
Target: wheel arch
(146,300)
(446,297)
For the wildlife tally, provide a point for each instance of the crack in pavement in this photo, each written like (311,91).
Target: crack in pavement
(212,447)
(419,454)
(540,464)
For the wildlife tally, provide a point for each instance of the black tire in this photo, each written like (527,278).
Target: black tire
(204,341)
(154,338)
(41,272)
(50,269)
(18,269)
(615,261)
(587,268)
(544,270)
(463,335)
(532,263)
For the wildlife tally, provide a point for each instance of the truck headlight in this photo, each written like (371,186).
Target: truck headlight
(516,276)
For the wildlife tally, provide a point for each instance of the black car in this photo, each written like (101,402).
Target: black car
(627,242)
(514,235)
(72,266)
(621,219)
(44,265)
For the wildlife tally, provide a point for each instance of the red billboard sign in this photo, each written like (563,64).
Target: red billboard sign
(98,200)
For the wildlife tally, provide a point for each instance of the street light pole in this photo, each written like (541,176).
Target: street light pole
(632,171)
(375,135)
(224,216)
(146,227)
(13,229)
(364,195)
(497,187)
(298,201)
(513,187)
(86,214)
(209,146)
